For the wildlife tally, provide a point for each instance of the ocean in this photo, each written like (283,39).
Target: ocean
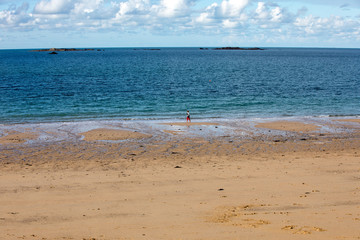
(141,84)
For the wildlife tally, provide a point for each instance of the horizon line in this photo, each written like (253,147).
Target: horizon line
(152,47)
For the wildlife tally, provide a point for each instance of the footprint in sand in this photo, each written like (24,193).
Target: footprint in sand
(302,230)
(236,216)
(251,223)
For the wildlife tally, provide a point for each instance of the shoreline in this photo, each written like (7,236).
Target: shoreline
(38,133)
(212,180)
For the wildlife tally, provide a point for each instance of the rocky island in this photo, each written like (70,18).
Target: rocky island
(238,48)
(62,50)
(147,49)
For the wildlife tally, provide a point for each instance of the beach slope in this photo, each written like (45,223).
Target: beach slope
(295,185)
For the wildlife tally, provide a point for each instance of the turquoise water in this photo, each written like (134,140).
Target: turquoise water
(123,84)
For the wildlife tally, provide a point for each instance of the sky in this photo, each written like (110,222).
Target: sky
(29,24)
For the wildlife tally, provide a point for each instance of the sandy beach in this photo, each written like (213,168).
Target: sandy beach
(205,180)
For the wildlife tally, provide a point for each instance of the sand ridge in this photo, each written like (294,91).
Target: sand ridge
(291,126)
(16,137)
(111,134)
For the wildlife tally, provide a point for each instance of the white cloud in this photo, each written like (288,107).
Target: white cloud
(266,13)
(260,20)
(53,7)
(208,16)
(276,14)
(228,14)
(204,18)
(133,7)
(331,27)
(261,10)
(172,8)
(232,8)
(87,6)
(229,24)
(15,17)
(130,15)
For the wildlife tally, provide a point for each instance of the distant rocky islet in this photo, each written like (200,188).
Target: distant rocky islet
(234,48)
(55,50)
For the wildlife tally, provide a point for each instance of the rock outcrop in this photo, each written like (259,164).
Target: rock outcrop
(238,48)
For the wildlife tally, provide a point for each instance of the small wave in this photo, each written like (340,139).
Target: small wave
(344,115)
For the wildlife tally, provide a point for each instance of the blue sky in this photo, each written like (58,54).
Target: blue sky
(179,23)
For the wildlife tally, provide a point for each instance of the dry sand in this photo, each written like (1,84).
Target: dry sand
(304,186)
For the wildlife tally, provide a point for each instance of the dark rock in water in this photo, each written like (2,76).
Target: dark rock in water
(53,53)
(238,48)
(148,49)
(62,50)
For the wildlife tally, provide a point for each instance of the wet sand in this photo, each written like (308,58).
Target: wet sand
(13,137)
(289,126)
(111,134)
(279,180)
(191,124)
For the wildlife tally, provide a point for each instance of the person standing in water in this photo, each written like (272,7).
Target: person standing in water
(188,116)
